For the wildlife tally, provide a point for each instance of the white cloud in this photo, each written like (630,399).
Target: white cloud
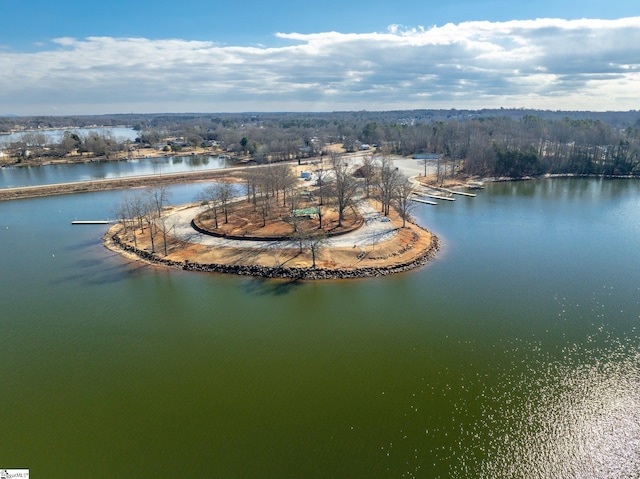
(541,63)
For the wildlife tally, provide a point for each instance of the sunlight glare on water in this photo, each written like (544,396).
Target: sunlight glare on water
(576,417)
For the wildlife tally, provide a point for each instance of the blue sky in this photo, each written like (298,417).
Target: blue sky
(79,57)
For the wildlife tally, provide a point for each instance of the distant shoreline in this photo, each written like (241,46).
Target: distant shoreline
(38,191)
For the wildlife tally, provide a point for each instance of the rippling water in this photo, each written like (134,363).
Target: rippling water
(575,416)
(514,354)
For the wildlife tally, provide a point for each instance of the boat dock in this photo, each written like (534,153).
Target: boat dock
(463,193)
(438,197)
(453,192)
(92,222)
(426,202)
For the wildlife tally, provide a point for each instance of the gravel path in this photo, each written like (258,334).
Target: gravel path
(377,228)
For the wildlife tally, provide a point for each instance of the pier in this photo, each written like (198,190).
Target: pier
(452,192)
(426,202)
(463,193)
(92,222)
(438,197)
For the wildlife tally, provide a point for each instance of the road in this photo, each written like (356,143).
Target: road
(114,183)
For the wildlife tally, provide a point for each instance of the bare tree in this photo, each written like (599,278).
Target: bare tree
(130,211)
(388,178)
(158,200)
(218,199)
(252,179)
(291,193)
(208,197)
(264,206)
(165,224)
(120,212)
(158,197)
(137,210)
(368,172)
(149,216)
(315,242)
(320,213)
(402,199)
(288,182)
(323,183)
(345,186)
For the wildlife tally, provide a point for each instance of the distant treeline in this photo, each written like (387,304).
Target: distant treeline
(500,142)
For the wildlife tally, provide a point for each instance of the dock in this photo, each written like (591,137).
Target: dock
(91,222)
(426,202)
(453,192)
(424,190)
(437,197)
(461,193)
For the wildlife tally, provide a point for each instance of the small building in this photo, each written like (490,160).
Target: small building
(307,212)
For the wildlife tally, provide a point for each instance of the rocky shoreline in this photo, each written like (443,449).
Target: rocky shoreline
(113,242)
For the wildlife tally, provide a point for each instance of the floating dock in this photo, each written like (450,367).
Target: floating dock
(91,222)
(437,197)
(452,192)
(455,192)
(426,202)
(463,193)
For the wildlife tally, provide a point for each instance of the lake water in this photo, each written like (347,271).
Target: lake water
(61,173)
(54,136)
(515,353)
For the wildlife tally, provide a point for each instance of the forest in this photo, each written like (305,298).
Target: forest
(500,142)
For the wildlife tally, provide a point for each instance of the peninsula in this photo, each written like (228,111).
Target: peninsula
(375,246)
(298,229)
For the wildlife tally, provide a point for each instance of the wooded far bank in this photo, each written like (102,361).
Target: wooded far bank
(512,143)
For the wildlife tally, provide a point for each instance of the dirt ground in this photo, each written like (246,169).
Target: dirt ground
(245,221)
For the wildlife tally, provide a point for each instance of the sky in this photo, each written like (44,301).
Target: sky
(70,57)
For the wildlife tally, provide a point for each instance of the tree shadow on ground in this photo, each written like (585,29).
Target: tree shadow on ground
(277,256)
